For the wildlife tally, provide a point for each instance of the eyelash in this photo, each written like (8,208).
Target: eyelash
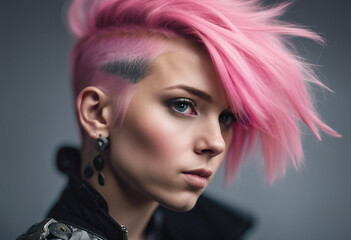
(230,122)
(171,104)
(185,101)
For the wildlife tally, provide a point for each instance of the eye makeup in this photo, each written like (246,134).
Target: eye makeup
(183,107)
(227,119)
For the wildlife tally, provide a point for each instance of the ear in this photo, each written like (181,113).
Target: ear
(94,109)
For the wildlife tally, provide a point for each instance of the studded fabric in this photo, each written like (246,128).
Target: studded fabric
(50,229)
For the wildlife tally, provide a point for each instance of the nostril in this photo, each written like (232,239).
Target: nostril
(207,151)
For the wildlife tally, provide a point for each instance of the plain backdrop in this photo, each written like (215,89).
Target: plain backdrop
(37,116)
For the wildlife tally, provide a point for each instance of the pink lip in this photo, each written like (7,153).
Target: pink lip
(198,178)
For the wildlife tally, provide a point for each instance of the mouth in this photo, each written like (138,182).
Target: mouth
(198,178)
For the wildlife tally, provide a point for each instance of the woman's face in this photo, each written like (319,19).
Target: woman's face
(176,130)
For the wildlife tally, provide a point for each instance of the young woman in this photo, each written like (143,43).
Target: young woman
(165,90)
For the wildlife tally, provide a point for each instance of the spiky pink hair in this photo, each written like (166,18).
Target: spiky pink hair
(265,81)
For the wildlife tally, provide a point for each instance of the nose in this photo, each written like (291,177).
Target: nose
(209,139)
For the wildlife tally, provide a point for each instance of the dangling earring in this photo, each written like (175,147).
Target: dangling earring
(101,144)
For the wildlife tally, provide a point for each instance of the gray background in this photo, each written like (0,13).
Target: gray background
(37,116)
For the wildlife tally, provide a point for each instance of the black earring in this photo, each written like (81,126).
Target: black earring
(99,163)
(101,144)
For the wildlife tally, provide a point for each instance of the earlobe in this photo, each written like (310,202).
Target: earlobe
(94,109)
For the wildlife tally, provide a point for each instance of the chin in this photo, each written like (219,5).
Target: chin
(181,203)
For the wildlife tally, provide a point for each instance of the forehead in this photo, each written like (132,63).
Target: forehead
(183,63)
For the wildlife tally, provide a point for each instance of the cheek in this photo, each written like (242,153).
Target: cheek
(155,136)
(228,137)
(152,136)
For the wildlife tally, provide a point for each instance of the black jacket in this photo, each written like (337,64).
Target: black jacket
(82,209)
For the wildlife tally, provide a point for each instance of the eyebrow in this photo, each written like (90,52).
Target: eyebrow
(194,91)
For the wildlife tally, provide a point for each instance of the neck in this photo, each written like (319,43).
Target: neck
(127,206)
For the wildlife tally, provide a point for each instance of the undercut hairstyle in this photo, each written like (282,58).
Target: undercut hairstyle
(130,70)
(267,83)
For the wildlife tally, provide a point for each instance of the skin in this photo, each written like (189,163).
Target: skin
(171,126)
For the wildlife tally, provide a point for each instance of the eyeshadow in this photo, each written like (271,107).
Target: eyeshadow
(131,70)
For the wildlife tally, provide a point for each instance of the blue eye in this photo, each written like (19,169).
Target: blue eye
(227,119)
(182,106)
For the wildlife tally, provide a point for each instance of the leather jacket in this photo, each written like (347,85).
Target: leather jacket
(82,214)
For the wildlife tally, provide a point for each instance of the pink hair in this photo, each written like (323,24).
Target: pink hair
(265,81)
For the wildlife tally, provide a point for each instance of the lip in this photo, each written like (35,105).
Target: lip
(197,178)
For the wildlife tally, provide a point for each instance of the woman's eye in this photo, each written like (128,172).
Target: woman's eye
(182,106)
(227,119)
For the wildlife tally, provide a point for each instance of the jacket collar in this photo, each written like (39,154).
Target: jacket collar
(80,204)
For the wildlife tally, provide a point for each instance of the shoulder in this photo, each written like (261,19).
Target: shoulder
(52,229)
